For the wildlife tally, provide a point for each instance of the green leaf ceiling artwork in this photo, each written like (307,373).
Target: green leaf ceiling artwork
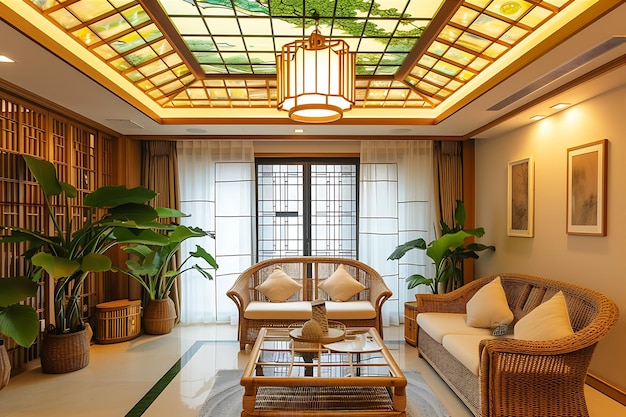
(222,53)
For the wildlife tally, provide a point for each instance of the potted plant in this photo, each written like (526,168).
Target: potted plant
(17,321)
(67,253)
(447,252)
(154,268)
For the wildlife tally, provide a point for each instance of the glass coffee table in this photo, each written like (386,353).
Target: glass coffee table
(353,376)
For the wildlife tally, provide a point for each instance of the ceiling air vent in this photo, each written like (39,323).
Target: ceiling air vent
(561,71)
(123,124)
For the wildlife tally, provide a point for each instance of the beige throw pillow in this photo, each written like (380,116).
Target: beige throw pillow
(278,286)
(548,321)
(488,308)
(341,286)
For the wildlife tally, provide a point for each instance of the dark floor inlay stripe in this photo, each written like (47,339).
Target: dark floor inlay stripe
(162,383)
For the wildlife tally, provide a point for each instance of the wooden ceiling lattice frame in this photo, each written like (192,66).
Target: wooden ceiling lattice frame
(140,40)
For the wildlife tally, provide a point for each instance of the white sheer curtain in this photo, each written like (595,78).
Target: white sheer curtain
(208,169)
(396,205)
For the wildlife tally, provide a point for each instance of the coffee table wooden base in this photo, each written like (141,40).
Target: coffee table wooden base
(361,401)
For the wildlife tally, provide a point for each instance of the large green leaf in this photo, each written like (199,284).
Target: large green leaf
(20,322)
(140,251)
(451,241)
(70,190)
(45,174)
(145,237)
(401,250)
(133,211)
(459,214)
(415,280)
(203,271)
(56,266)
(15,289)
(112,196)
(182,233)
(165,212)
(95,262)
(201,253)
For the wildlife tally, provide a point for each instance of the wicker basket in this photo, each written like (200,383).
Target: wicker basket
(118,321)
(5,366)
(159,316)
(62,353)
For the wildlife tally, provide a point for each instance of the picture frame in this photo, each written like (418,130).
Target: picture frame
(521,198)
(586,189)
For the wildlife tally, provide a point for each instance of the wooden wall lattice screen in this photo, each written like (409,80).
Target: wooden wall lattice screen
(82,156)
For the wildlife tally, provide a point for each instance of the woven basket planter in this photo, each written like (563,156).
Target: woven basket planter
(63,353)
(159,316)
(5,365)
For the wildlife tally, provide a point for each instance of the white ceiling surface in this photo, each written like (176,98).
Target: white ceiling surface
(41,72)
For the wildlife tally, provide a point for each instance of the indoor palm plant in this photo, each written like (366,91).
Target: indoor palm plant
(155,268)
(68,253)
(447,252)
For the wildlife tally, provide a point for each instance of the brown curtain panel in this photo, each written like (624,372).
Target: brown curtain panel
(448,176)
(448,166)
(160,173)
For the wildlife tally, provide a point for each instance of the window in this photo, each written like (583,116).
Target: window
(307,207)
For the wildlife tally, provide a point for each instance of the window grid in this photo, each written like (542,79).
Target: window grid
(307,208)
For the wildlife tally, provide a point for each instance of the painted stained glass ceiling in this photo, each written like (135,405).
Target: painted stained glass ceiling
(198,54)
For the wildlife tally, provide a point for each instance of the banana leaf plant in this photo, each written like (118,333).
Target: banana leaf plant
(447,252)
(18,321)
(153,266)
(69,253)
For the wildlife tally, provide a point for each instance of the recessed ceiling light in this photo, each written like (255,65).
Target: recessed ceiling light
(4,58)
(298,130)
(560,106)
(538,117)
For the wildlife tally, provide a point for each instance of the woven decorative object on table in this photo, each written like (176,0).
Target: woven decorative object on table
(318,314)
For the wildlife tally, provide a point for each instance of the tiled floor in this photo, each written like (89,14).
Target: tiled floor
(171,375)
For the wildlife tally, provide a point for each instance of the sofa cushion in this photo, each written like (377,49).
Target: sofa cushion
(278,286)
(548,321)
(263,310)
(464,347)
(341,286)
(350,310)
(437,325)
(488,307)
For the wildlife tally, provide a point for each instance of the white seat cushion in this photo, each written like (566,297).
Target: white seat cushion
(264,310)
(437,325)
(350,310)
(464,347)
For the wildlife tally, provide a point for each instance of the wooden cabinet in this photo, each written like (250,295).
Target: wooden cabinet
(410,323)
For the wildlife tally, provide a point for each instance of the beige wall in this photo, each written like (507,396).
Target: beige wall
(598,263)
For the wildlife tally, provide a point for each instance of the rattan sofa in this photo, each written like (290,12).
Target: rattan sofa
(308,271)
(517,377)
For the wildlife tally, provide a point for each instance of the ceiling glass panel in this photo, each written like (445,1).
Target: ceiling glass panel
(368,27)
(232,44)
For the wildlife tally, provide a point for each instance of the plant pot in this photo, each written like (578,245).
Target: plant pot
(5,365)
(159,316)
(63,353)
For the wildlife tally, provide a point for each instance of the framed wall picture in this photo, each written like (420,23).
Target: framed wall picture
(586,189)
(521,198)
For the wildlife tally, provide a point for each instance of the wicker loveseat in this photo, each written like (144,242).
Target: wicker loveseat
(256,311)
(515,377)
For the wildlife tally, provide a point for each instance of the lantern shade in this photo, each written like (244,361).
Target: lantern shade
(316,79)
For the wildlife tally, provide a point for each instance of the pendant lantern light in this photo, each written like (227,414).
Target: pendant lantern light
(316,78)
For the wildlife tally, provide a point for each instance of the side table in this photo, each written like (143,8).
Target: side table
(410,323)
